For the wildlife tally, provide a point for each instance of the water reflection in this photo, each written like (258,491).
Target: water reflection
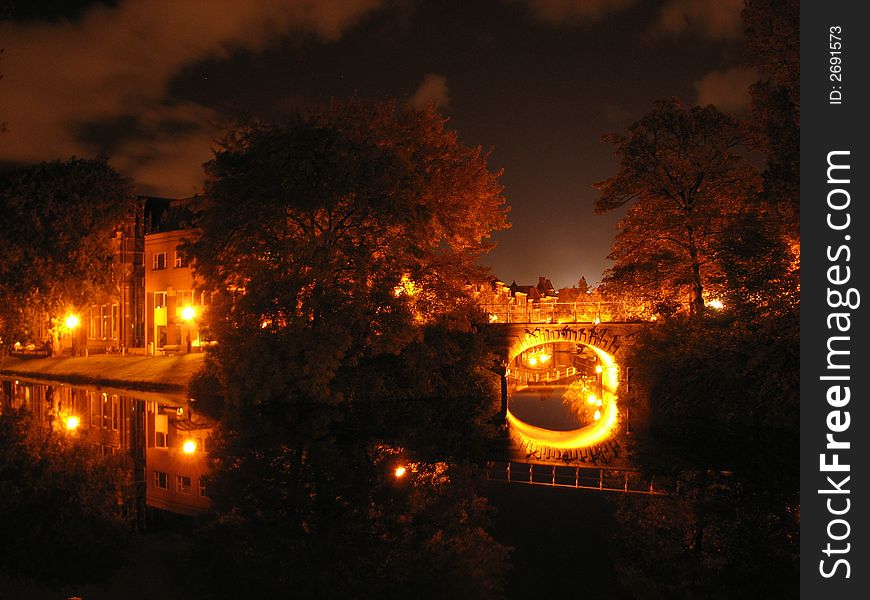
(163,440)
(549,386)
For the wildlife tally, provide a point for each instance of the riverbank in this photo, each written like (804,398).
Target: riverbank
(146,373)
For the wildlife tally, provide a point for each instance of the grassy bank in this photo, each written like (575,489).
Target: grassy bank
(149,373)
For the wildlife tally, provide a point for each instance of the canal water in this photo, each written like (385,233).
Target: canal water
(161,438)
(548,386)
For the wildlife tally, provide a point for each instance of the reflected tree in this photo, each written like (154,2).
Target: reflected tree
(337,247)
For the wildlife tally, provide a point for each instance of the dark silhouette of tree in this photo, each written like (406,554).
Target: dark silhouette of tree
(683,178)
(59,518)
(57,221)
(338,247)
(723,429)
(769,225)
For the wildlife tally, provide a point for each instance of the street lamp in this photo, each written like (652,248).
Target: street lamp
(188,313)
(72,323)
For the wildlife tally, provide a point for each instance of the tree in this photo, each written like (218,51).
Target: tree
(57,221)
(337,247)
(59,518)
(769,225)
(683,178)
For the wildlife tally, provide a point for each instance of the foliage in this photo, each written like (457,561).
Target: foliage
(338,246)
(59,519)
(716,538)
(769,226)
(683,178)
(723,424)
(57,221)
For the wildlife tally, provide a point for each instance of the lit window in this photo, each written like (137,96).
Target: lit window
(161,480)
(182,484)
(158,261)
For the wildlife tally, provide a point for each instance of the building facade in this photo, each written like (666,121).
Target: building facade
(173,304)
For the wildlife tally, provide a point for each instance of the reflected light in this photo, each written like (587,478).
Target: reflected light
(189,446)
(606,417)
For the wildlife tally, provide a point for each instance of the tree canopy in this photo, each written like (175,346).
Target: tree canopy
(683,177)
(59,519)
(57,222)
(338,246)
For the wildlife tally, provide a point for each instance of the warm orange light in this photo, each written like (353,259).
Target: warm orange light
(399,472)
(72,321)
(592,399)
(600,429)
(716,303)
(188,313)
(544,357)
(189,446)
(599,369)
(72,423)
(533,360)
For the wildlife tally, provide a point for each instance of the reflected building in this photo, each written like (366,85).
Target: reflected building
(161,440)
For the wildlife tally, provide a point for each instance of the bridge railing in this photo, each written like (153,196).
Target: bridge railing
(601,479)
(521,377)
(565,312)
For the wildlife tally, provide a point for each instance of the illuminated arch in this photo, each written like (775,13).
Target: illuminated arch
(575,438)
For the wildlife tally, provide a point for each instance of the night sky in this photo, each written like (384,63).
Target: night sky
(150,83)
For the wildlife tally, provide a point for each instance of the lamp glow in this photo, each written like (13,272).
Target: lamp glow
(188,313)
(189,446)
(399,472)
(72,423)
(72,321)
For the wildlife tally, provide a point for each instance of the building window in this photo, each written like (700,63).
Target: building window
(161,480)
(104,321)
(161,431)
(203,487)
(158,261)
(184,298)
(180,261)
(159,299)
(182,484)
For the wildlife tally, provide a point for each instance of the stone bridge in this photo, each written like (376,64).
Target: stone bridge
(512,339)
(605,340)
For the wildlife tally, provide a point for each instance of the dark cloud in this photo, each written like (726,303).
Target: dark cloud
(66,82)
(570,12)
(711,19)
(433,91)
(728,90)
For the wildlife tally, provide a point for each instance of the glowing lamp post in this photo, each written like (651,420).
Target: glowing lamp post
(72,423)
(188,313)
(189,446)
(72,323)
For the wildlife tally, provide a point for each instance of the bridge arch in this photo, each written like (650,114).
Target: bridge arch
(605,346)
